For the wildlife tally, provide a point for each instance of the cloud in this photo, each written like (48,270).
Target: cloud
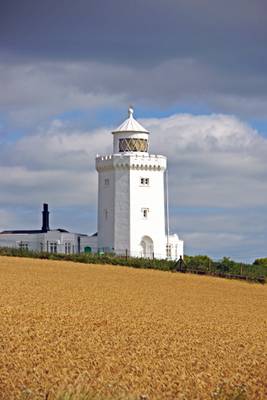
(34,93)
(137,33)
(239,233)
(57,148)
(52,166)
(6,217)
(215,161)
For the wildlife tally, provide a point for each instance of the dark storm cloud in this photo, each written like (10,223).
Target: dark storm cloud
(87,53)
(229,33)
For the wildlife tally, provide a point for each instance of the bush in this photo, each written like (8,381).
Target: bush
(261,261)
(198,264)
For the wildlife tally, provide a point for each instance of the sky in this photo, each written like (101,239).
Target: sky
(195,72)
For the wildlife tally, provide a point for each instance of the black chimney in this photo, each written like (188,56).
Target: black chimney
(45,213)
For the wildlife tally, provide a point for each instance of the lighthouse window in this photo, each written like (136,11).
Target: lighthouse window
(106,214)
(145,212)
(106,182)
(133,145)
(144,181)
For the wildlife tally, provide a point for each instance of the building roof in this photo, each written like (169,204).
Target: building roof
(31,232)
(130,124)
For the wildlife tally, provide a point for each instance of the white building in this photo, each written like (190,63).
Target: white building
(131,197)
(49,240)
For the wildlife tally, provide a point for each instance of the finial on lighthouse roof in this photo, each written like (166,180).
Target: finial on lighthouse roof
(130,124)
(130,112)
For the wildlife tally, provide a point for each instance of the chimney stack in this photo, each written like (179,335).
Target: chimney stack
(45,213)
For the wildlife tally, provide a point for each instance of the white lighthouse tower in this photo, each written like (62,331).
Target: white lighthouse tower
(131,197)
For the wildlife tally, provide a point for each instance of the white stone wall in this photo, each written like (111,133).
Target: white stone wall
(151,198)
(13,240)
(124,227)
(113,203)
(106,197)
(61,239)
(176,247)
(64,241)
(89,241)
(121,209)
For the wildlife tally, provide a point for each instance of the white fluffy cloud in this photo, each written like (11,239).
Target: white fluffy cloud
(52,166)
(214,160)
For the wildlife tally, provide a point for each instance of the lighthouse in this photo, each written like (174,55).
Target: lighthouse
(131,197)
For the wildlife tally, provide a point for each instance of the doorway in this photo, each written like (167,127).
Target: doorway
(147,247)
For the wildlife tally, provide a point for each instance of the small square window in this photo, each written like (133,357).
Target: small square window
(144,181)
(106,182)
(145,212)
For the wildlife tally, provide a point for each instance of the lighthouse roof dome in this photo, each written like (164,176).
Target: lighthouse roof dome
(130,124)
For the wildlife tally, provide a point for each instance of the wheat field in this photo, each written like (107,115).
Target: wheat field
(125,333)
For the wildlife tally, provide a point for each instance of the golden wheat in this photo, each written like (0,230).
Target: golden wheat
(118,331)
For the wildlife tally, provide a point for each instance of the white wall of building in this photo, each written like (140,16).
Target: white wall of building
(88,241)
(175,247)
(121,222)
(147,232)
(32,241)
(106,198)
(52,241)
(121,207)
